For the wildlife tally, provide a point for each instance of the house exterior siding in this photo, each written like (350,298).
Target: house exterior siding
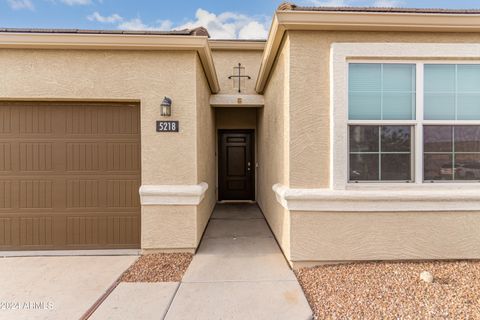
(290,103)
(273,151)
(349,236)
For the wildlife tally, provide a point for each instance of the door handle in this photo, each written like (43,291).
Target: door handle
(248,166)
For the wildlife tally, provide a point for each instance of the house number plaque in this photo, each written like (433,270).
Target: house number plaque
(167,126)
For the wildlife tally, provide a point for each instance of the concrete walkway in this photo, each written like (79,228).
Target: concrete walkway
(56,287)
(139,301)
(239,273)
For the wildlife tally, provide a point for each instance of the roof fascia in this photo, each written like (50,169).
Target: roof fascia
(234,45)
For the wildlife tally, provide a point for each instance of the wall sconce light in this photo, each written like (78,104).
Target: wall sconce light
(166,107)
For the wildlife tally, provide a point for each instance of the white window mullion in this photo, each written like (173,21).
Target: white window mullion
(418,152)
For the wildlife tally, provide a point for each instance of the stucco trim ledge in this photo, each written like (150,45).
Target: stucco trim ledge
(385,200)
(184,195)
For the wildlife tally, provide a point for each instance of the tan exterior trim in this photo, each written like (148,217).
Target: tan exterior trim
(270,53)
(237,45)
(379,199)
(357,21)
(116,42)
(179,195)
(240,100)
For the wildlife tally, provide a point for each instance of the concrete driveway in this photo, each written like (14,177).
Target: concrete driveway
(56,287)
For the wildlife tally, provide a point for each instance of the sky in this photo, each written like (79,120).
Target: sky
(224,19)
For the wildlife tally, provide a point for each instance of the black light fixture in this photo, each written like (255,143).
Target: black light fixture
(166,107)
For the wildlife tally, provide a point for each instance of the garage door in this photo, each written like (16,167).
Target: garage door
(69,176)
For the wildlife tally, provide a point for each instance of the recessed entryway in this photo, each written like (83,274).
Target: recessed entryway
(236,165)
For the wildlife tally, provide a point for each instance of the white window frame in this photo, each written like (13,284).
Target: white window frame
(412,123)
(342,54)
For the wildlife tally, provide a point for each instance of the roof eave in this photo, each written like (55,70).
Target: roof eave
(357,21)
(237,45)
(13,40)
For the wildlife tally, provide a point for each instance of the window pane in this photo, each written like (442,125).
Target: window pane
(439,78)
(364,167)
(467,138)
(365,106)
(396,167)
(365,77)
(396,139)
(381,91)
(398,106)
(439,106)
(364,138)
(468,106)
(467,167)
(438,167)
(437,139)
(468,78)
(398,77)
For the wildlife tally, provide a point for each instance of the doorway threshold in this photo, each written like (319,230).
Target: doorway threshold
(237,201)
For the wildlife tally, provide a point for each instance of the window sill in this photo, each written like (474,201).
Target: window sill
(384,197)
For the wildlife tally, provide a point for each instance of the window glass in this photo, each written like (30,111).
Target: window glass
(383,151)
(452,92)
(381,91)
(364,138)
(380,153)
(365,106)
(396,167)
(452,152)
(468,78)
(468,106)
(396,138)
(439,78)
(438,139)
(364,167)
(438,166)
(439,106)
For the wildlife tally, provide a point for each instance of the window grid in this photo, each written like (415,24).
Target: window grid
(417,164)
(380,152)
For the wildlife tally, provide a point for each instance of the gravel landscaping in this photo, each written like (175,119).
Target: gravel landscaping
(382,290)
(158,267)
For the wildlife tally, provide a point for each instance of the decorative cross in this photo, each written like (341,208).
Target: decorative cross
(239,76)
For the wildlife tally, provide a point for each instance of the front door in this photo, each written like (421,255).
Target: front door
(236,178)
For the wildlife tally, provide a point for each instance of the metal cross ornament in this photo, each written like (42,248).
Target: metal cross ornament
(239,76)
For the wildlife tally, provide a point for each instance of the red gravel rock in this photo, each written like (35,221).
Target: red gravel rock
(158,267)
(393,290)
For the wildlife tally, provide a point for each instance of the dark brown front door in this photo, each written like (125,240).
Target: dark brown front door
(236,165)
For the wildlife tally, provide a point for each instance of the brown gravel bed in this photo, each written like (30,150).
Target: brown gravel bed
(383,290)
(158,267)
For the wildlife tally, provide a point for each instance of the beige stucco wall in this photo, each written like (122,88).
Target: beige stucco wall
(225,60)
(167,228)
(141,76)
(145,77)
(273,135)
(347,236)
(236,118)
(206,142)
(310,95)
(337,236)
